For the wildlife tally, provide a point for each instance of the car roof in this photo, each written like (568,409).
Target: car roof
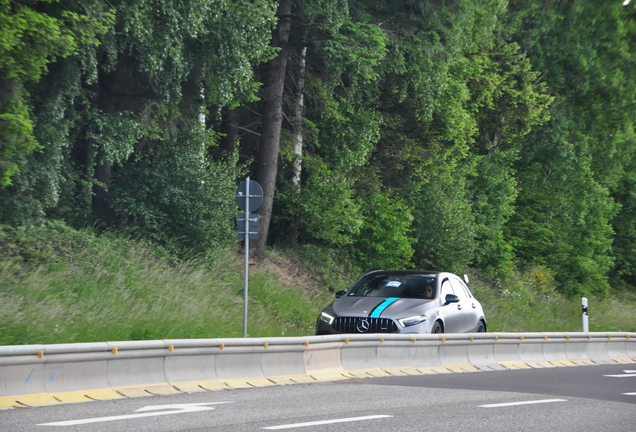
(434,273)
(407,272)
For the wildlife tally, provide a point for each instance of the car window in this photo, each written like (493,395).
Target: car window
(468,293)
(421,286)
(447,288)
(393,285)
(460,288)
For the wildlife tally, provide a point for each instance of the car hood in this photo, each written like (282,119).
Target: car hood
(380,307)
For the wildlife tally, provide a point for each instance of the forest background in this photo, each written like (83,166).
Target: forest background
(485,136)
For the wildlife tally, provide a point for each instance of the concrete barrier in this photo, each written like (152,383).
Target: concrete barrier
(481,354)
(532,353)
(596,350)
(322,359)
(425,354)
(35,375)
(190,364)
(192,371)
(361,355)
(77,381)
(618,348)
(507,351)
(22,380)
(137,368)
(393,354)
(630,348)
(453,355)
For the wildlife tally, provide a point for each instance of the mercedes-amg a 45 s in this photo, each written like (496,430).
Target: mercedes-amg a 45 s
(404,301)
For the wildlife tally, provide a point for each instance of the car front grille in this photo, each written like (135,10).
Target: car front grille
(371,325)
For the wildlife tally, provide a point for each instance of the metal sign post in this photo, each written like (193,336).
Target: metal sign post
(249,197)
(247,255)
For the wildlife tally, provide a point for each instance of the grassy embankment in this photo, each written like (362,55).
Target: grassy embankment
(58,285)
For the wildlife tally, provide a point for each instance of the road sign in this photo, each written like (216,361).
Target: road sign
(252,218)
(252,226)
(255,198)
(249,197)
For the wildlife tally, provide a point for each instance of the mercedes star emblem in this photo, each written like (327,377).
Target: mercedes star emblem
(363,326)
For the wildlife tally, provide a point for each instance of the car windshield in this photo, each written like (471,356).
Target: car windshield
(395,285)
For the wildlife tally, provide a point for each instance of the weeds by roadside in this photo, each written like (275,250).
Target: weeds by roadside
(58,285)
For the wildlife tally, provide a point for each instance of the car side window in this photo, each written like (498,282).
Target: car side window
(460,289)
(466,290)
(447,288)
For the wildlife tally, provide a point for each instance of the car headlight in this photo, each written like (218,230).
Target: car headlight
(411,321)
(325,317)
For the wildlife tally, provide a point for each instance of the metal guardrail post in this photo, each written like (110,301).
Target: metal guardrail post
(586,328)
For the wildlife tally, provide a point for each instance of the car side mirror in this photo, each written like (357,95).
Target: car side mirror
(466,278)
(340,294)
(451,298)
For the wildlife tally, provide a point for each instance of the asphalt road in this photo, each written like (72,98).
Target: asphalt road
(584,398)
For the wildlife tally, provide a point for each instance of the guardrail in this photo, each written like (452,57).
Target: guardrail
(35,375)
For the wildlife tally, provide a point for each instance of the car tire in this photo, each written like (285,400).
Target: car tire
(437,327)
(481,327)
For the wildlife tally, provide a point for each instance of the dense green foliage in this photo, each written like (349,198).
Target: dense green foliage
(484,134)
(31,38)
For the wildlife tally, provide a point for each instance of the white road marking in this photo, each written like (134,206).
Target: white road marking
(174,409)
(628,373)
(325,422)
(507,404)
(622,376)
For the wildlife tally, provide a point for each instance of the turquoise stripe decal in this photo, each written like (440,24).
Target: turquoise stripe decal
(377,311)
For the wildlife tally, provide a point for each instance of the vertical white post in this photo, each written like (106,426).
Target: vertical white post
(247,253)
(585,317)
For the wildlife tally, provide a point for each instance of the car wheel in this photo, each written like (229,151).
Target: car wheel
(437,327)
(481,327)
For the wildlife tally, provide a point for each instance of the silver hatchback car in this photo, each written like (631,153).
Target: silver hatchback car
(404,301)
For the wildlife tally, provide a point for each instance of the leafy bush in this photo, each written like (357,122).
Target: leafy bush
(178,197)
(384,242)
(444,226)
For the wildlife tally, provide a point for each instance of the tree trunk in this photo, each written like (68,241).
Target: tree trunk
(298,121)
(274,81)
(299,105)
(229,129)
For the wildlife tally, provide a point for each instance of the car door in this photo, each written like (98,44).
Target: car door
(453,317)
(466,305)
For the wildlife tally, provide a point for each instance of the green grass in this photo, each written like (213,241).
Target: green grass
(58,285)
(528,302)
(107,289)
